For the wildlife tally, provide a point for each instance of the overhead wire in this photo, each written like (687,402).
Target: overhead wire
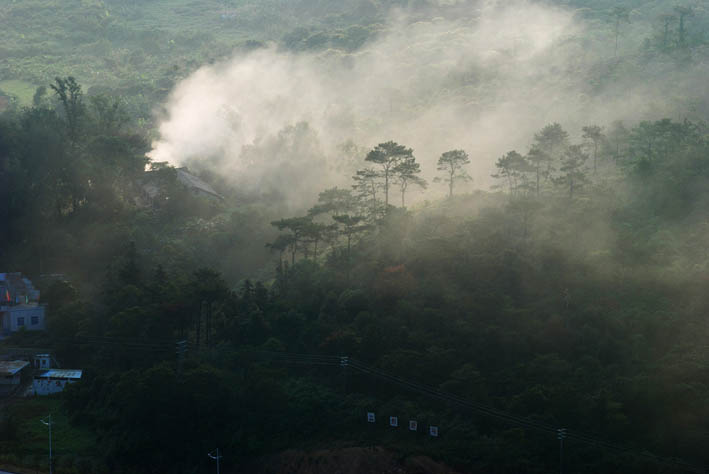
(336,361)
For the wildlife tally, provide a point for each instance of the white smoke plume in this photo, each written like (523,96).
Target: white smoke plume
(272,121)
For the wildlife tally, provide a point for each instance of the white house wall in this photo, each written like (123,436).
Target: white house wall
(48,386)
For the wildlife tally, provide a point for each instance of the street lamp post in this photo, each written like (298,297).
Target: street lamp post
(214,455)
(48,422)
(560,435)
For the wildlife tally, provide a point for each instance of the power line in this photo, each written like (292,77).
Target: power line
(524,422)
(432,392)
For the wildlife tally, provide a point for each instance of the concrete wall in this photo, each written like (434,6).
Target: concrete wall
(47,386)
(10,380)
(25,313)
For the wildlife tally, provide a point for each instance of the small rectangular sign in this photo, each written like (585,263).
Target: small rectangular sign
(393,421)
(371,417)
(413,425)
(433,431)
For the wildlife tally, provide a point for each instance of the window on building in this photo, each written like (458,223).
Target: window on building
(35,320)
(20,321)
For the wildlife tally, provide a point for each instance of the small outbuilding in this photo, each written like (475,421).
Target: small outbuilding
(54,380)
(11,371)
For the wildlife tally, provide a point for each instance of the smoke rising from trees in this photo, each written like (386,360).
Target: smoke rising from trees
(275,121)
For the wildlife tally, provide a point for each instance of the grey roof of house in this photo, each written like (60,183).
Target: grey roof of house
(192,181)
(11,367)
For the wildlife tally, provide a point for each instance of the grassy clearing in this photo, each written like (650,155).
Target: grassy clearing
(24,91)
(26,443)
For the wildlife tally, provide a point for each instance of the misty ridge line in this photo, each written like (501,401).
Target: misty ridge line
(271,121)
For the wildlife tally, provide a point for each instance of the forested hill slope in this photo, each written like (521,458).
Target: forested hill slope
(519,275)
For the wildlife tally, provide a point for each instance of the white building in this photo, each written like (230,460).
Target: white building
(42,361)
(54,380)
(19,305)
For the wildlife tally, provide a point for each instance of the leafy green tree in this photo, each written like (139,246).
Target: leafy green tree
(207,288)
(107,116)
(298,228)
(683,13)
(538,160)
(314,233)
(388,155)
(667,19)
(281,244)
(513,169)
(407,172)
(594,134)
(619,14)
(39,98)
(573,172)
(552,140)
(350,226)
(367,186)
(70,96)
(453,163)
(333,201)
(618,136)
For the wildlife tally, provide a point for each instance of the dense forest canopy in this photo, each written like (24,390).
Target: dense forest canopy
(495,212)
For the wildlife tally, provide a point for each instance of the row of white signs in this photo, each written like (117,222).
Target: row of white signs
(394,421)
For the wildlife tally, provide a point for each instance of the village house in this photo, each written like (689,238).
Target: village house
(51,381)
(19,305)
(11,371)
(154,184)
(11,375)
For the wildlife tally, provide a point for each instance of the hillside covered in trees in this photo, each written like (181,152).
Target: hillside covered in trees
(500,247)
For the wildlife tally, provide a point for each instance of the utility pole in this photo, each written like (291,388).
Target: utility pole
(560,435)
(49,425)
(181,349)
(214,455)
(344,363)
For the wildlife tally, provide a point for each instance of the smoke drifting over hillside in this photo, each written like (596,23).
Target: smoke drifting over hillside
(273,121)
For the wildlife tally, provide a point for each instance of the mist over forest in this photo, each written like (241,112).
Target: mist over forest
(271,235)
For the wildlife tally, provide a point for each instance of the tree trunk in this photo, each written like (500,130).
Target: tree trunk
(538,171)
(208,317)
(349,261)
(386,191)
(681,30)
(199,323)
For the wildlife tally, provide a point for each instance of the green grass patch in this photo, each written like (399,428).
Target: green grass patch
(25,442)
(24,91)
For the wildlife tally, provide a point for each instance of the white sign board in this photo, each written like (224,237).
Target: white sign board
(371,417)
(393,421)
(433,431)
(413,425)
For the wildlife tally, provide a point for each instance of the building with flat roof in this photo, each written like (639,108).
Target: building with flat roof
(54,380)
